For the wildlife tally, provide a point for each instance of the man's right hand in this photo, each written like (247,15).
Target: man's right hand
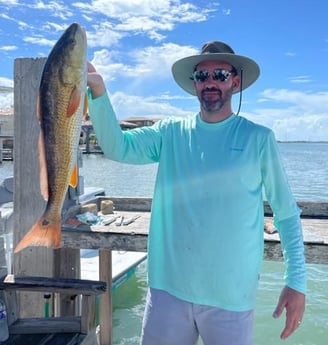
(95,82)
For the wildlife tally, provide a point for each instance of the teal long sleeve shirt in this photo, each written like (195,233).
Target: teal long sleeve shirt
(205,240)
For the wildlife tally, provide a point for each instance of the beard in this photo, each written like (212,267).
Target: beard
(213,99)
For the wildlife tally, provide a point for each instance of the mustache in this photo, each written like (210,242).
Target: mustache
(211,89)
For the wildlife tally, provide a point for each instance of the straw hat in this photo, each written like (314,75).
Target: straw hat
(182,69)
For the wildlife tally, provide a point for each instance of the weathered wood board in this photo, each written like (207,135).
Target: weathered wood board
(133,237)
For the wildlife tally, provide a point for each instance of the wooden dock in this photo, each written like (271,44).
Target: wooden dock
(133,237)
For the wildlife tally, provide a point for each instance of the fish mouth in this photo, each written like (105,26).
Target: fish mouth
(75,29)
(77,34)
(73,38)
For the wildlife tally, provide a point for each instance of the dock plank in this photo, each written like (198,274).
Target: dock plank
(74,286)
(66,324)
(46,339)
(134,236)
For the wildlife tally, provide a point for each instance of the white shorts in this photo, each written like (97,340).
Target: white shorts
(172,321)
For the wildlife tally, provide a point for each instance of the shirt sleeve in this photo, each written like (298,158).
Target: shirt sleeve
(286,214)
(290,231)
(136,146)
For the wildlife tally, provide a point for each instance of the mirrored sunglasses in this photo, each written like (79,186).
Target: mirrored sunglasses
(218,74)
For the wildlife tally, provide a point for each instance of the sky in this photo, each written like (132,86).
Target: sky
(133,44)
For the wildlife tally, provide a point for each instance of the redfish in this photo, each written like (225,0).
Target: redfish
(61,105)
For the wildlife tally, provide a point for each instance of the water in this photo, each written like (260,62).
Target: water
(307,168)
(129,301)
(118,179)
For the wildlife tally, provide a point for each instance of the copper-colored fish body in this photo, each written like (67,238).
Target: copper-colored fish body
(61,105)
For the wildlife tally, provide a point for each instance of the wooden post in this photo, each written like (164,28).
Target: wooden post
(28,202)
(67,265)
(105,274)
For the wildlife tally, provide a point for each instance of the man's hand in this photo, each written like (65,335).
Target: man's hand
(95,82)
(294,303)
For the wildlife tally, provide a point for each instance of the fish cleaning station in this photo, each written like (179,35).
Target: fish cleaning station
(55,275)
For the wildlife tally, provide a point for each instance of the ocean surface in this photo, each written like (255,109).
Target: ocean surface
(306,165)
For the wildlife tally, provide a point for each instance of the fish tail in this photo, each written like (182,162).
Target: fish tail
(43,233)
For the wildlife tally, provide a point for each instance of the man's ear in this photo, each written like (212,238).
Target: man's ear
(236,83)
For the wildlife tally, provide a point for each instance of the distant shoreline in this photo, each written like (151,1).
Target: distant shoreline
(301,142)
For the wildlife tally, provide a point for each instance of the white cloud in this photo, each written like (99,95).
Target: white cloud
(57,9)
(142,64)
(42,41)
(10,2)
(157,61)
(301,79)
(6,93)
(4,16)
(8,48)
(104,62)
(145,16)
(122,10)
(303,127)
(129,105)
(54,26)
(226,11)
(293,115)
(308,102)
(103,35)
(5,82)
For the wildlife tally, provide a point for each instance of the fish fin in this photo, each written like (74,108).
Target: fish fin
(74,177)
(41,235)
(85,107)
(43,167)
(74,102)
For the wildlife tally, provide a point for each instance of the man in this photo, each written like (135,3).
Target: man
(206,232)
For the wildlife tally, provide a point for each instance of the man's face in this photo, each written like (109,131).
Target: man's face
(214,92)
